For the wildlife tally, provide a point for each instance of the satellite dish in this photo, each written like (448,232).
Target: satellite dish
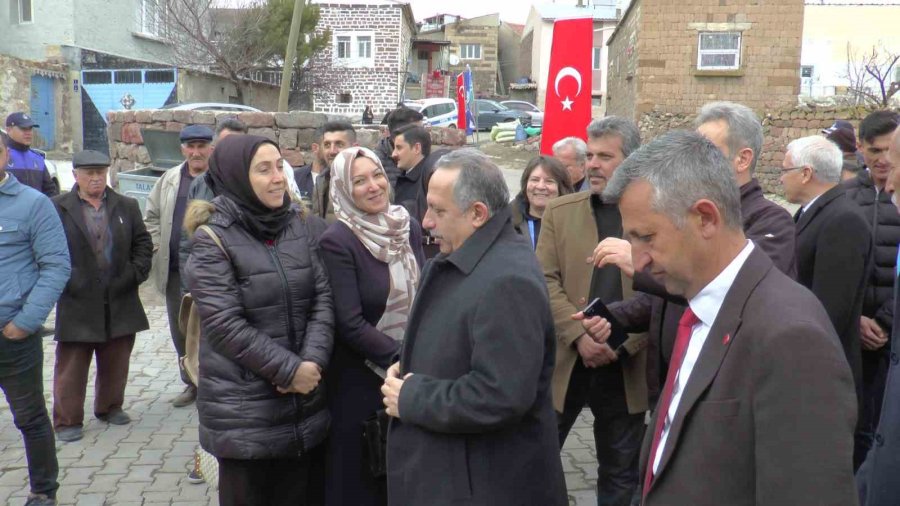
(454,60)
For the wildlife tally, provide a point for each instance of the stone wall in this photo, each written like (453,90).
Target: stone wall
(484,30)
(294,132)
(662,62)
(780,127)
(16,95)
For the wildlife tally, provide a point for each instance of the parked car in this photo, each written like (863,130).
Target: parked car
(440,112)
(489,113)
(537,115)
(210,106)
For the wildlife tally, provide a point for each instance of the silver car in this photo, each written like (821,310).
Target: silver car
(537,115)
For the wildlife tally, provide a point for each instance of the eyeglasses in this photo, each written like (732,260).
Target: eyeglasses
(789,169)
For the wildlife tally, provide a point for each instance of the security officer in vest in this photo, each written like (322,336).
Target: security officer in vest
(25,163)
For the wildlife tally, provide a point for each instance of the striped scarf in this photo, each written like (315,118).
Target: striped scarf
(385,235)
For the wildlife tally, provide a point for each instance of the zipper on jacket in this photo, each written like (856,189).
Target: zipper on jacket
(272,247)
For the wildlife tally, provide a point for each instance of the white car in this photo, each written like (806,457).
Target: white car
(537,115)
(439,112)
(210,106)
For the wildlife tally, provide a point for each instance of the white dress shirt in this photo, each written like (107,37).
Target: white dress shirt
(705,305)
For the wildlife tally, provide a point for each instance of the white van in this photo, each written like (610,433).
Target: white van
(439,112)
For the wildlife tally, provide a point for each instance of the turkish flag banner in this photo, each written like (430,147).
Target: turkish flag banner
(567,106)
(460,102)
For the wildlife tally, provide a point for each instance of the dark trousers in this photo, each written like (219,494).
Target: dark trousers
(24,393)
(73,361)
(874,374)
(617,434)
(173,305)
(269,482)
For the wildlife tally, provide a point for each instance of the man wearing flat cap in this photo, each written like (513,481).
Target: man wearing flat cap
(166,206)
(99,312)
(25,163)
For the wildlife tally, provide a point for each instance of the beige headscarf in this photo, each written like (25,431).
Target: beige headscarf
(385,235)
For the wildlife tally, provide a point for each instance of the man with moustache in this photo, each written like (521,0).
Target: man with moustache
(166,206)
(332,137)
(877,477)
(611,382)
(99,311)
(34,268)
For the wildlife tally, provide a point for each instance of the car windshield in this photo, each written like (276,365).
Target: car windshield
(495,105)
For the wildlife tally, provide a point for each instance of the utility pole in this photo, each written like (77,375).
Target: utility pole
(290,56)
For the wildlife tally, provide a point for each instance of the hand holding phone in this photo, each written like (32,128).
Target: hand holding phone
(617,335)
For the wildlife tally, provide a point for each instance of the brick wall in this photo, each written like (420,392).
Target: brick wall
(294,132)
(621,85)
(780,127)
(378,87)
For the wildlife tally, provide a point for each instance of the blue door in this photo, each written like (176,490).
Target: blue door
(43,111)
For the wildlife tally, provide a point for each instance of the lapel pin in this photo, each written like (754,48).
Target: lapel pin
(726,339)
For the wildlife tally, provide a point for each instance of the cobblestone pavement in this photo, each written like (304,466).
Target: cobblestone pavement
(146,462)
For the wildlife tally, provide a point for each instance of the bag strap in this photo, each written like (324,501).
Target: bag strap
(215,237)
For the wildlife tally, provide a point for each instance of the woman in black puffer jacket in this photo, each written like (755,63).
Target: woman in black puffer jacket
(267,327)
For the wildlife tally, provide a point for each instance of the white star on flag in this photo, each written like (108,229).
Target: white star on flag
(567,104)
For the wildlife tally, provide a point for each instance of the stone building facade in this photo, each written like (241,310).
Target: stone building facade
(674,59)
(368,58)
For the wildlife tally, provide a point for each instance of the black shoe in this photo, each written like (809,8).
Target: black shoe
(67,435)
(41,499)
(185,398)
(116,417)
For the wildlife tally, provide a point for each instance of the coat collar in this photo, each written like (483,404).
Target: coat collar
(71,203)
(817,206)
(11,185)
(467,257)
(751,190)
(727,323)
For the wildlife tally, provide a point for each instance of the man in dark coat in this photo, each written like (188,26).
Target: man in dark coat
(736,130)
(473,420)
(834,242)
(25,163)
(877,477)
(100,310)
(867,190)
(758,405)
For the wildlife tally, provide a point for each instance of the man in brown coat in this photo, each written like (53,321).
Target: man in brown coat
(611,382)
(758,406)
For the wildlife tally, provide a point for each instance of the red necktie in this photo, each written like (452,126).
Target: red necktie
(682,338)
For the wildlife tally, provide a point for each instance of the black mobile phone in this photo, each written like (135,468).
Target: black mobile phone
(618,336)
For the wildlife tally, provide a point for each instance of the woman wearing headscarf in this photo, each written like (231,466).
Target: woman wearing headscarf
(373,253)
(543,179)
(265,306)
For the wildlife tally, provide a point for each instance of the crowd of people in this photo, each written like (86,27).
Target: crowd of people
(389,326)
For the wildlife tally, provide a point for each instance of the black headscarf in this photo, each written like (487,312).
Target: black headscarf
(229,170)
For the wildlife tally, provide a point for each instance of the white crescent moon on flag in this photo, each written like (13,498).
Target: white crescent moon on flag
(567,72)
(461,91)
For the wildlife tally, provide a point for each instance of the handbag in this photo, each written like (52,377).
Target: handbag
(189,323)
(375,429)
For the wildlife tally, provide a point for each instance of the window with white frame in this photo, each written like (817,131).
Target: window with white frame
(354,49)
(343,47)
(153,17)
(470,51)
(21,11)
(719,51)
(597,58)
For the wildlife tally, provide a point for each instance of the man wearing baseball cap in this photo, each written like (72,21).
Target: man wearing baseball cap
(25,163)
(166,206)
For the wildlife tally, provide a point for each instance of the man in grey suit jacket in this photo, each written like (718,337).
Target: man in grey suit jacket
(877,478)
(473,419)
(758,405)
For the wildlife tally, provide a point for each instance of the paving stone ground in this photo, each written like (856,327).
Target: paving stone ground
(146,462)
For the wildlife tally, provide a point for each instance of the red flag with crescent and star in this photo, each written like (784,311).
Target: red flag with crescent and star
(460,102)
(567,106)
